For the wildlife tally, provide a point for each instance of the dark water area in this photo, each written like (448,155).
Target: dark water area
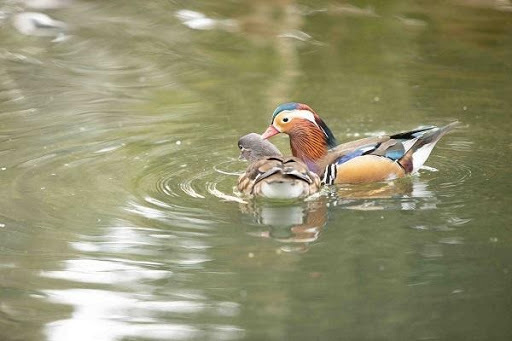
(119,218)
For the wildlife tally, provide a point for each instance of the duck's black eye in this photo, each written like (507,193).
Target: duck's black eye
(286,119)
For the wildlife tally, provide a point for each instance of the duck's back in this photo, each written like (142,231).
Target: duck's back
(381,158)
(278,178)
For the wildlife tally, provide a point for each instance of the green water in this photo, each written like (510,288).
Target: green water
(118,158)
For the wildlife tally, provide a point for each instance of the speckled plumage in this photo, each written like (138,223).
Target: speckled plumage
(271,175)
(278,178)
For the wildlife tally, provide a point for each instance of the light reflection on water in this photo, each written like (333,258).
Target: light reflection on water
(119,216)
(101,315)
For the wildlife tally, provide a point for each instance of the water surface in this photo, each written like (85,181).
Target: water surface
(118,215)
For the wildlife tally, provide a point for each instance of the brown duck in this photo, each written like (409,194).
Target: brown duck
(271,175)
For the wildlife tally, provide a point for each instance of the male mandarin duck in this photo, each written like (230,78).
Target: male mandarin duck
(271,175)
(366,160)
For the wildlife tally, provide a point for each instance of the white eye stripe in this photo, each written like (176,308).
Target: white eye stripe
(305,114)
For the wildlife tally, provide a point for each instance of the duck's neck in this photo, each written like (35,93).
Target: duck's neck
(309,144)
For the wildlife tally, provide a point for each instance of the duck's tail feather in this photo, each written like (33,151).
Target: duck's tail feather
(418,153)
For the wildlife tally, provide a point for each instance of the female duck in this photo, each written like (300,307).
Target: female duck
(365,160)
(271,175)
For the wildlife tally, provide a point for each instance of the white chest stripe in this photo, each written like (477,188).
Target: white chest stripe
(330,174)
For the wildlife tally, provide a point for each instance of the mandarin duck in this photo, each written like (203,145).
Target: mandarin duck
(271,175)
(366,160)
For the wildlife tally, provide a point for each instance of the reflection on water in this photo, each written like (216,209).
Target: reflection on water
(410,193)
(119,217)
(302,222)
(293,223)
(102,313)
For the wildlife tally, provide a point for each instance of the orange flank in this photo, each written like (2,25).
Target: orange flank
(368,168)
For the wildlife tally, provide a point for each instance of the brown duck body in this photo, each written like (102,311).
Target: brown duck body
(278,177)
(271,175)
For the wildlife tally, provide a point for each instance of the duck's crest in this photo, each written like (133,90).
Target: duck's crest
(330,139)
(285,106)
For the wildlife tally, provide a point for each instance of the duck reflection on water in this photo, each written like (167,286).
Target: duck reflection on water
(401,194)
(299,224)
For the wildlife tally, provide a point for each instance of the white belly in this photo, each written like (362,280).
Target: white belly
(283,190)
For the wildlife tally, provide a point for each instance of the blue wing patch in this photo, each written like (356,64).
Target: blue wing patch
(395,154)
(355,153)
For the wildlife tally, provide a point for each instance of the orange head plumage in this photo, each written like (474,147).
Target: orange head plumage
(310,138)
